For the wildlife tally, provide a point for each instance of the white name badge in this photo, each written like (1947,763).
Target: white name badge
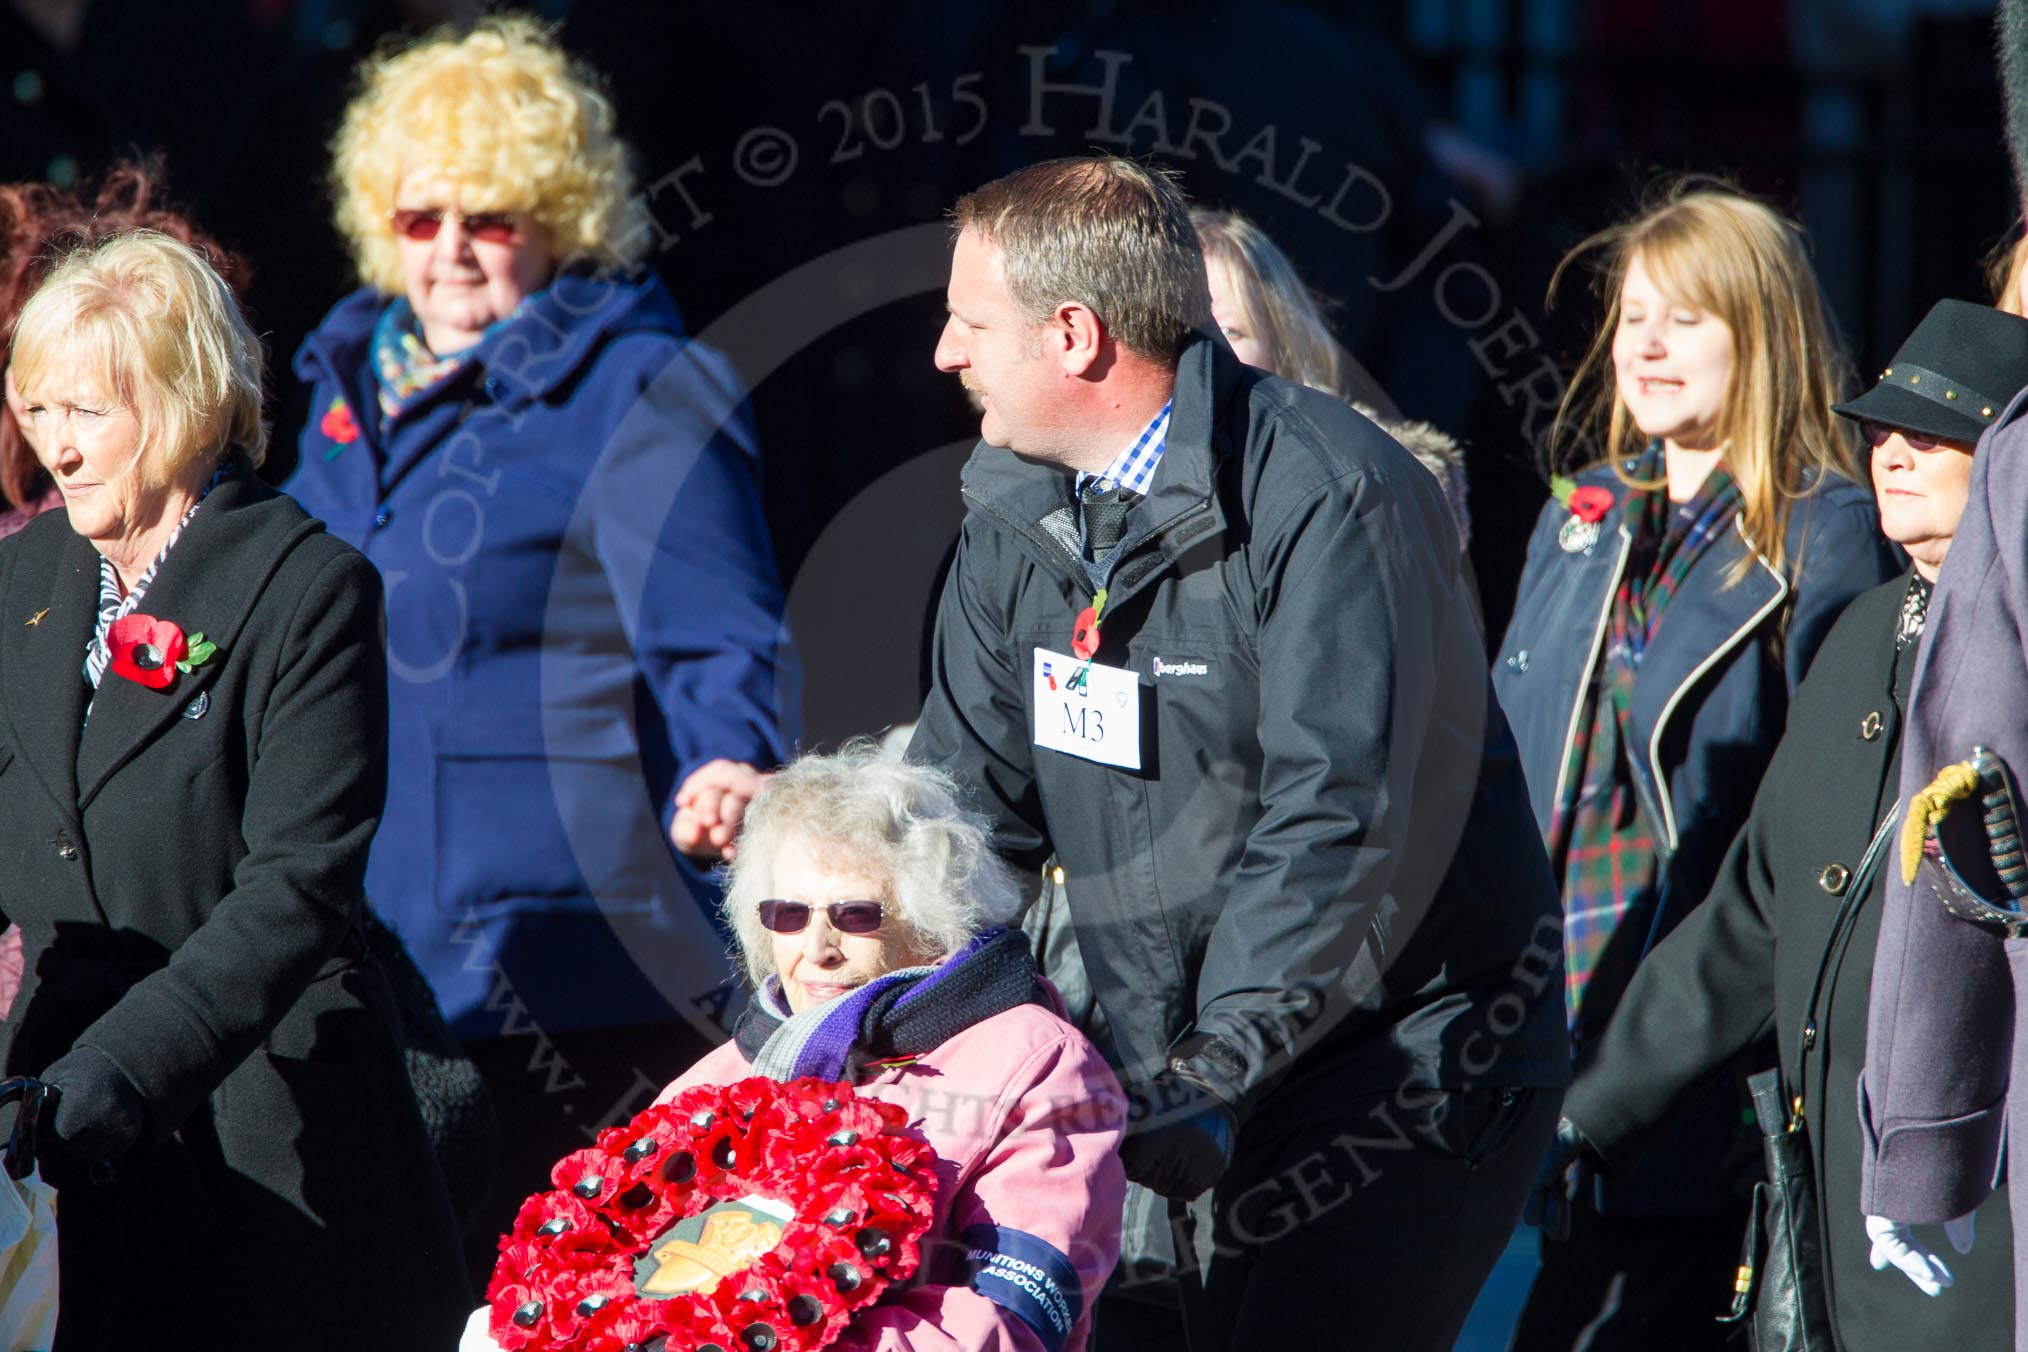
(1086,710)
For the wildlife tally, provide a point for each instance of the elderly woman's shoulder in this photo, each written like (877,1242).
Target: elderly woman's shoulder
(1837,515)
(647,324)
(1038,1038)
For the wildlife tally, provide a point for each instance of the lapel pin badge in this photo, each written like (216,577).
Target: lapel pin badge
(196,708)
(1588,506)
(35,619)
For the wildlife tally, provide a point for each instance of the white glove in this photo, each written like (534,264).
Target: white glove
(1895,1243)
(478,1335)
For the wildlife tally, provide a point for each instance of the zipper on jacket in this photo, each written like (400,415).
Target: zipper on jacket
(1153,537)
(1051,554)
(1071,568)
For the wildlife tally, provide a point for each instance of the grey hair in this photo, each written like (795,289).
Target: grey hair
(902,822)
(1105,232)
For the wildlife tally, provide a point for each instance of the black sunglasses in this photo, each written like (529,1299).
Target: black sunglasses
(1876,435)
(847,917)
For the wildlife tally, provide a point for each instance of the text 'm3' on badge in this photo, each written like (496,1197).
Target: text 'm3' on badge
(1087,710)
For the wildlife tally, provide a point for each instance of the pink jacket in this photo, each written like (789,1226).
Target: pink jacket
(1026,1119)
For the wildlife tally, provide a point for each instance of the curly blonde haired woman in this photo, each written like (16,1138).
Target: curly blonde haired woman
(1673,597)
(562,491)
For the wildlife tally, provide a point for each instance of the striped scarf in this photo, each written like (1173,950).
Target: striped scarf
(1600,840)
(114,607)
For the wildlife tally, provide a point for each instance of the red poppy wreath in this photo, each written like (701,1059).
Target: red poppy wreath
(752,1217)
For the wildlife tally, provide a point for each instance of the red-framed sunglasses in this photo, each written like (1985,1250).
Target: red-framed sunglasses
(847,917)
(1876,435)
(422,223)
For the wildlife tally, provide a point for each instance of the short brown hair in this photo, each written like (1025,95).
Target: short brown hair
(1105,232)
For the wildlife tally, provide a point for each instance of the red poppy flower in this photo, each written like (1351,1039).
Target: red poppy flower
(1590,503)
(338,423)
(146,650)
(1084,635)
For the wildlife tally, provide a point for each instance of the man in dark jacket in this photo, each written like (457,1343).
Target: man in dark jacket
(1207,640)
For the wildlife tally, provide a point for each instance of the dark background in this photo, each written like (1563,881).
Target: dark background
(1504,129)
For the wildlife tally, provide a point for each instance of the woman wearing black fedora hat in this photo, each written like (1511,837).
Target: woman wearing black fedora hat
(1785,940)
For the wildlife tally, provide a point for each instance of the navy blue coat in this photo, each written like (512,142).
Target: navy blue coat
(1709,705)
(582,607)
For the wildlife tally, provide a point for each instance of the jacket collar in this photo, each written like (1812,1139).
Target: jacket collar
(1706,620)
(1025,496)
(563,326)
(209,582)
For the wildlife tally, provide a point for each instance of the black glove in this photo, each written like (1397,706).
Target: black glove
(99,1114)
(1183,1143)
(1557,1184)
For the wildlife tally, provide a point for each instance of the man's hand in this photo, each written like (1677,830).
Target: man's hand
(1895,1243)
(99,1114)
(1184,1143)
(1565,1169)
(711,806)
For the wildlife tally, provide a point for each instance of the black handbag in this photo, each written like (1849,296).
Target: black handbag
(1781,1293)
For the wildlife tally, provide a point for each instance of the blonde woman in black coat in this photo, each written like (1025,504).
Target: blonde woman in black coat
(193,716)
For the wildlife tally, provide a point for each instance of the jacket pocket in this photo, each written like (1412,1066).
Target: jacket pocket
(524,825)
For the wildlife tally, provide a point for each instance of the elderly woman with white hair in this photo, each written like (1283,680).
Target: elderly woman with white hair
(193,757)
(872,918)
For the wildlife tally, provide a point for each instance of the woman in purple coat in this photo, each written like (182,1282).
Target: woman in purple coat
(1940,1099)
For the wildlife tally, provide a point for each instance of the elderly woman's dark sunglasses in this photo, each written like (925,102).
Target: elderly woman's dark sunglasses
(847,917)
(422,223)
(1876,435)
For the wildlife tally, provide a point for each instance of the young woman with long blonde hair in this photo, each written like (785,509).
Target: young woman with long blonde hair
(1676,588)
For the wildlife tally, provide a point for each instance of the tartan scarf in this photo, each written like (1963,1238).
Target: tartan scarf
(1600,840)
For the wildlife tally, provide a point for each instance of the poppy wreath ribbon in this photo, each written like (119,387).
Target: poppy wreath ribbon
(752,1217)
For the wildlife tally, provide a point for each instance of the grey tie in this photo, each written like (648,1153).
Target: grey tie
(1103,513)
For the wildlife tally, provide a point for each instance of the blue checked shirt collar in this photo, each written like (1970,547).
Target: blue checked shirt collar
(1134,468)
